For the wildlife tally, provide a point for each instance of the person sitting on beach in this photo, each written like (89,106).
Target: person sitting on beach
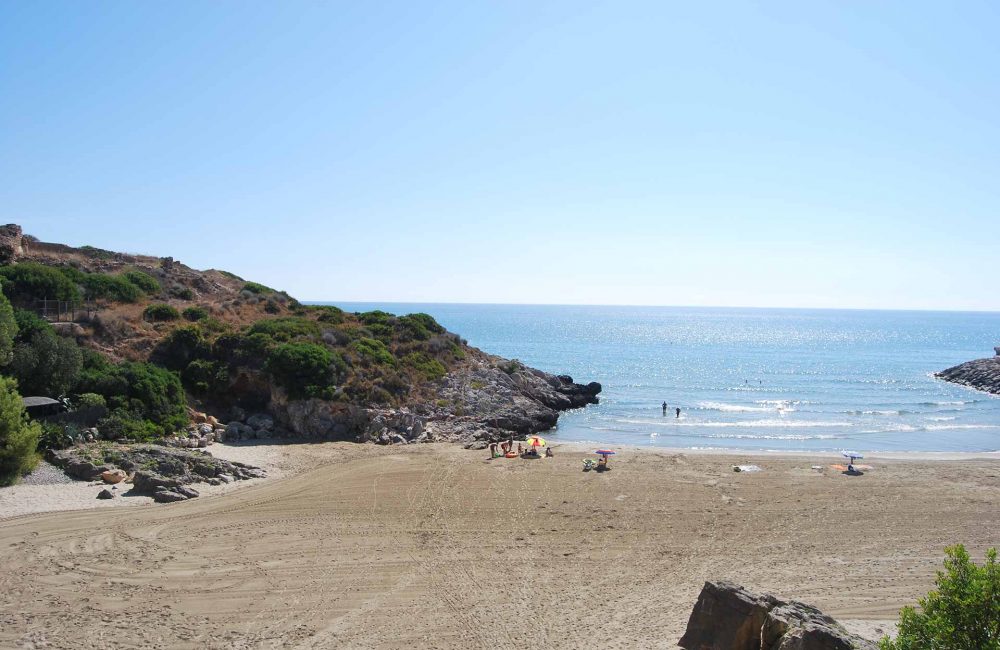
(548,452)
(520,449)
(493,450)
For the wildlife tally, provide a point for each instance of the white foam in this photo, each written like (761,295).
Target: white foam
(748,423)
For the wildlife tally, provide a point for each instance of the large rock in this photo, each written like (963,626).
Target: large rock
(12,243)
(149,482)
(729,617)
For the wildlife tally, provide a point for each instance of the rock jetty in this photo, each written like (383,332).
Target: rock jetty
(729,617)
(981,374)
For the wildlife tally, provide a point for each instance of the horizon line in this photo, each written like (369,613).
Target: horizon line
(548,304)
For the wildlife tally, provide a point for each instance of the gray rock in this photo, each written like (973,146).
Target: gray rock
(225,478)
(168,496)
(205,428)
(261,422)
(728,617)
(105,494)
(188,492)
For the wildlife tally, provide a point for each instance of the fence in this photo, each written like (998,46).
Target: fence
(59,311)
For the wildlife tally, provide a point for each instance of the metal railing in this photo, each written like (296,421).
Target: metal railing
(63,311)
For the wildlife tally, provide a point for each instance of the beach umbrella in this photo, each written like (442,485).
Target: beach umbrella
(605,452)
(535,441)
(851,454)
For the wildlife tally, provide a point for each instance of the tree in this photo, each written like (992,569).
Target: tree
(8,330)
(47,364)
(302,369)
(961,614)
(18,437)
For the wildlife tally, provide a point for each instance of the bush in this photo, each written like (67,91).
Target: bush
(203,376)
(961,614)
(55,436)
(142,390)
(89,400)
(47,364)
(257,288)
(144,281)
(239,349)
(181,347)
(419,326)
(28,322)
(328,314)
(18,437)
(427,366)
(109,287)
(195,314)
(373,351)
(26,282)
(8,330)
(181,292)
(285,329)
(96,253)
(302,369)
(122,424)
(160,312)
(376,317)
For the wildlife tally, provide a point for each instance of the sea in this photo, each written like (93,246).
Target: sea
(754,379)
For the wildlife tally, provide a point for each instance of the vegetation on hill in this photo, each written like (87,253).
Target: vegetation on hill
(144,354)
(18,437)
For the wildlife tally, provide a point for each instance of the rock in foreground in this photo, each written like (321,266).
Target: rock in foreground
(728,617)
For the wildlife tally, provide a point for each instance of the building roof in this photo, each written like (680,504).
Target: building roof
(39,401)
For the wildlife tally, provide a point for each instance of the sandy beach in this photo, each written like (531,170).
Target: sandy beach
(434,546)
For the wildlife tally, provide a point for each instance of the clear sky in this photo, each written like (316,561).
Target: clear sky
(798,154)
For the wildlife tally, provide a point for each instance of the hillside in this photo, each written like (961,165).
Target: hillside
(157,339)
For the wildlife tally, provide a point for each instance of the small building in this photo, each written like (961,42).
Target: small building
(40,407)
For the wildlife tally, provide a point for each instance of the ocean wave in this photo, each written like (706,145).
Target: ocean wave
(877,412)
(731,424)
(732,408)
(750,436)
(949,403)
(945,418)
(947,427)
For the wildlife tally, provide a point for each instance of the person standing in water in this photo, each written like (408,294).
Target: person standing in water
(678,412)
(664,409)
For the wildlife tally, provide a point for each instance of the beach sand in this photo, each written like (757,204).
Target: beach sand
(434,546)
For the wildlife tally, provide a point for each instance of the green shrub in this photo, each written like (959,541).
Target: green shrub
(426,365)
(302,369)
(8,330)
(160,312)
(26,282)
(144,281)
(286,328)
(376,316)
(373,351)
(142,390)
(89,400)
(55,436)
(181,292)
(195,314)
(122,424)
(241,349)
(961,614)
(328,314)
(181,347)
(419,327)
(272,306)
(382,332)
(109,287)
(18,437)
(204,376)
(256,287)
(47,364)
(28,322)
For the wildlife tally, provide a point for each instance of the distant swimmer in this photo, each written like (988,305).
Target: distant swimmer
(664,408)
(678,412)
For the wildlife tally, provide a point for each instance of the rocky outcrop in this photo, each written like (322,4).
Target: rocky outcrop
(12,244)
(729,617)
(981,374)
(154,468)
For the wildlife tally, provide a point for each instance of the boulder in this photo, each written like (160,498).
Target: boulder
(164,495)
(729,617)
(190,493)
(149,482)
(105,494)
(113,476)
(261,422)
(205,428)
(12,244)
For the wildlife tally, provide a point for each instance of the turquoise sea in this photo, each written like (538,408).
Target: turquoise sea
(775,379)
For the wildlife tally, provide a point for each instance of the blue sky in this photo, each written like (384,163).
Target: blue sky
(732,153)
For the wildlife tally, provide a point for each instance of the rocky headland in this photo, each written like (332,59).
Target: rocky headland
(170,354)
(981,374)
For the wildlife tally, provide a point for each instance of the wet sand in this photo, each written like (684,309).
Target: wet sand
(434,546)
